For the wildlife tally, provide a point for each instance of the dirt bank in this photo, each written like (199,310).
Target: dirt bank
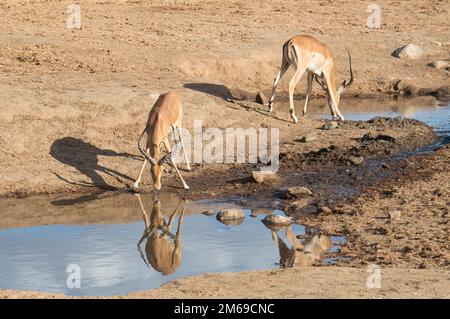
(74,101)
(311,282)
(399,221)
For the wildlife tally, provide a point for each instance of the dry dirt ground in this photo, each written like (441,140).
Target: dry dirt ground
(75,101)
(310,282)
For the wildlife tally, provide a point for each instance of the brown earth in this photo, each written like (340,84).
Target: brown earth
(75,101)
(310,282)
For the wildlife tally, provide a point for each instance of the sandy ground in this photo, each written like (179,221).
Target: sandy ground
(75,101)
(312,282)
(91,89)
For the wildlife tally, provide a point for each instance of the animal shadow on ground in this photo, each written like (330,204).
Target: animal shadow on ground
(84,157)
(220,90)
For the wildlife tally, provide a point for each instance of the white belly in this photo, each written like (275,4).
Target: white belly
(314,69)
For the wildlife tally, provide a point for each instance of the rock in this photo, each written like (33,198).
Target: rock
(296,206)
(260,98)
(439,64)
(263,176)
(356,160)
(385,165)
(294,192)
(326,210)
(394,215)
(309,137)
(277,220)
(330,125)
(208,213)
(232,222)
(409,51)
(230,214)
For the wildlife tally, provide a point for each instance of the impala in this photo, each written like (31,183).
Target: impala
(164,117)
(307,54)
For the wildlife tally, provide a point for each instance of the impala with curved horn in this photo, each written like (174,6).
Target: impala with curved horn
(308,54)
(164,117)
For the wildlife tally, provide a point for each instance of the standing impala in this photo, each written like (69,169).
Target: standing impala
(308,54)
(164,117)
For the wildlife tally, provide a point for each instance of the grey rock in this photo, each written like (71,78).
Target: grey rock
(409,51)
(330,125)
(277,220)
(309,137)
(356,160)
(263,176)
(295,192)
(230,214)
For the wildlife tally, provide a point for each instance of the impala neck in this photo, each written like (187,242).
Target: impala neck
(154,151)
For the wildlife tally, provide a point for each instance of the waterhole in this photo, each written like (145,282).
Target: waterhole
(112,245)
(108,244)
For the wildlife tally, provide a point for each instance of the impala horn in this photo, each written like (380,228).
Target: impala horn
(346,83)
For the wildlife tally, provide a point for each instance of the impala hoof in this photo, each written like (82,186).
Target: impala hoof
(186,187)
(135,185)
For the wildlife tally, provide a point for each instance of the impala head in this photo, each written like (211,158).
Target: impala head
(346,83)
(157,168)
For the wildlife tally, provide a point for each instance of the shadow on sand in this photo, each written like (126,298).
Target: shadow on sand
(83,156)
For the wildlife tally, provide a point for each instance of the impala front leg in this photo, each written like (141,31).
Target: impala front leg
(169,149)
(138,180)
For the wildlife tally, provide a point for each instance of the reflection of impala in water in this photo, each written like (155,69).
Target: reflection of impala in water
(162,248)
(301,254)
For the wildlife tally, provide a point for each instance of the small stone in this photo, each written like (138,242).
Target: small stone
(330,125)
(356,160)
(295,192)
(312,136)
(230,214)
(277,220)
(409,51)
(439,64)
(385,166)
(263,176)
(260,98)
(394,215)
(326,210)
(208,213)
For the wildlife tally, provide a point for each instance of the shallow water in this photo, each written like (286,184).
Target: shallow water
(433,112)
(37,257)
(41,237)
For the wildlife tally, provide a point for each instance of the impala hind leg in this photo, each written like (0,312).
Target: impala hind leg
(188,166)
(297,76)
(138,180)
(169,149)
(308,90)
(283,69)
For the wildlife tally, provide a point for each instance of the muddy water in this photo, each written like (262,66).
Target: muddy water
(139,251)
